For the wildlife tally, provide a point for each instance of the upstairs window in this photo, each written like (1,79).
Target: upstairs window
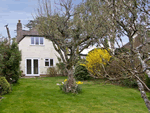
(41,40)
(49,62)
(32,40)
(37,40)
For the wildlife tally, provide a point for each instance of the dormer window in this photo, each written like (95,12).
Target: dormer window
(37,40)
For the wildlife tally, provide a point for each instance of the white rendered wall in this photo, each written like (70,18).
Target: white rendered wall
(37,51)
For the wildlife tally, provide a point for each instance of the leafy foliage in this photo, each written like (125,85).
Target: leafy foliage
(4,86)
(129,83)
(10,65)
(81,73)
(96,59)
(61,67)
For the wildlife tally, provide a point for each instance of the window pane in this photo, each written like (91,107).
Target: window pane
(32,40)
(46,63)
(41,40)
(37,40)
(51,62)
(28,66)
(35,66)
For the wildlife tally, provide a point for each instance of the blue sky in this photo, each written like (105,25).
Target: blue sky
(13,10)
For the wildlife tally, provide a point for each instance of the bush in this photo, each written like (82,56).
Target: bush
(51,71)
(10,67)
(95,60)
(114,69)
(81,73)
(4,86)
(129,83)
(61,67)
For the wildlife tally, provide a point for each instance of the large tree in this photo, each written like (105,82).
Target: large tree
(130,19)
(67,30)
(72,29)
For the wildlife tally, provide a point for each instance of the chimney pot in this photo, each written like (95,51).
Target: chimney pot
(18,21)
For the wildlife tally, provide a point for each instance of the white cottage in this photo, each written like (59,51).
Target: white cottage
(38,52)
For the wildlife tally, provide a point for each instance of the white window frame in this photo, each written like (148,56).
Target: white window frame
(46,61)
(49,62)
(35,40)
(32,67)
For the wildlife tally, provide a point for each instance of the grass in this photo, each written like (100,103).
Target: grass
(42,95)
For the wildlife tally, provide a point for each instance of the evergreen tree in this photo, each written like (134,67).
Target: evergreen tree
(10,61)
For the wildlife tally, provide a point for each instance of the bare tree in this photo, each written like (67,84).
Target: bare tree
(66,30)
(72,29)
(124,18)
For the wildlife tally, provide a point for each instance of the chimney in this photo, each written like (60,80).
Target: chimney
(19,25)
(19,30)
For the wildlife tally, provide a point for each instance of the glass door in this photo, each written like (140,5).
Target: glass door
(29,66)
(35,66)
(32,67)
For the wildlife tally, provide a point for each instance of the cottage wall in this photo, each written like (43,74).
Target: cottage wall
(37,51)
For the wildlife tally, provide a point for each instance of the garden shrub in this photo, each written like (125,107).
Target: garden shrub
(129,83)
(11,61)
(61,67)
(4,86)
(114,69)
(51,71)
(95,60)
(81,73)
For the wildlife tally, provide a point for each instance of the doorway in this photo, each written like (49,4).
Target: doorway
(32,67)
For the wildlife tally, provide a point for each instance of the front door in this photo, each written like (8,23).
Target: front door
(32,67)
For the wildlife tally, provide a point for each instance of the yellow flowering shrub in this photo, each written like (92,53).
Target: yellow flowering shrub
(96,59)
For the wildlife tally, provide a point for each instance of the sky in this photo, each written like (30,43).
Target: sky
(13,10)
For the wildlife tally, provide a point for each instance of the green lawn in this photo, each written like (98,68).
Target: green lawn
(42,95)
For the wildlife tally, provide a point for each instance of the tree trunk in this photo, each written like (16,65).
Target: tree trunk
(71,83)
(143,95)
